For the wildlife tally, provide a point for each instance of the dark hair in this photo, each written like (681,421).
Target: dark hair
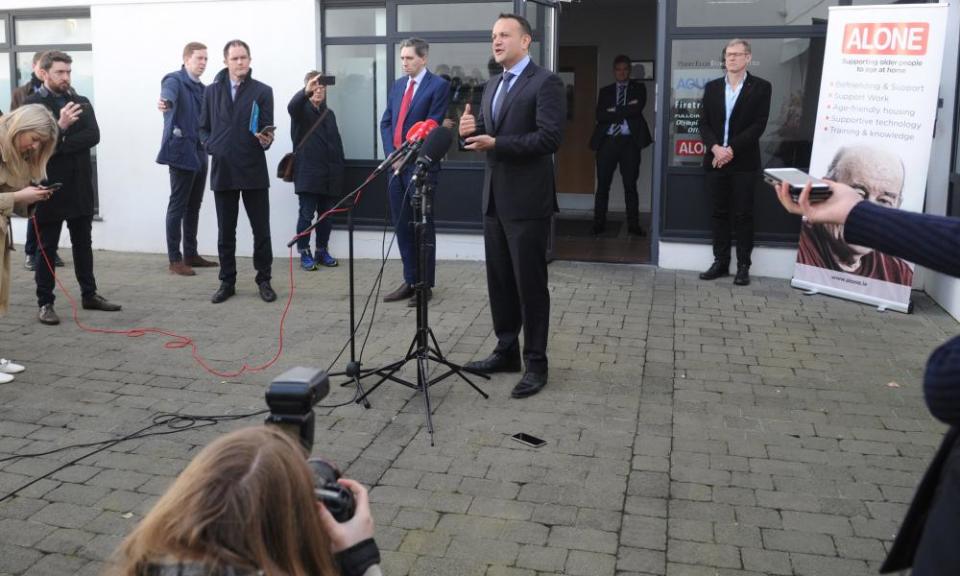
(621,59)
(51,56)
(419,45)
(192,47)
(233,43)
(524,23)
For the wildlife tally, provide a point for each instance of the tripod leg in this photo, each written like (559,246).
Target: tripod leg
(425,390)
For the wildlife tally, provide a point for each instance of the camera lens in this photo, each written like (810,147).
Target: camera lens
(336,498)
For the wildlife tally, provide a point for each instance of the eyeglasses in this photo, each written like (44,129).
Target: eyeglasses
(735,54)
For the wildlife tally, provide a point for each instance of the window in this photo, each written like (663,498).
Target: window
(753,12)
(344,22)
(447,17)
(47,31)
(359,96)
(462,64)
(788,63)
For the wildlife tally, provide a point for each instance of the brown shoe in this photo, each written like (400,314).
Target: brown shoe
(403,292)
(181,269)
(201,262)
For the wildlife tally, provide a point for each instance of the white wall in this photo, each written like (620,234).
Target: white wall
(625,29)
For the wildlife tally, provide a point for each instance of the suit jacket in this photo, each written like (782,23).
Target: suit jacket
(429,101)
(180,143)
(747,122)
(931,524)
(239,162)
(70,164)
(632,112)
(519,172)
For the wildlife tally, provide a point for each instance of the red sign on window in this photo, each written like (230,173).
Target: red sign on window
(688,148)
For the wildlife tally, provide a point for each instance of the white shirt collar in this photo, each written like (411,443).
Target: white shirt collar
(419,77)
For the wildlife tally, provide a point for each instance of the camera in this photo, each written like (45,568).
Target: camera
(291,398)
(337,499)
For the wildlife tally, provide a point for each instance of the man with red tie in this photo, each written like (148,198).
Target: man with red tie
(418,95)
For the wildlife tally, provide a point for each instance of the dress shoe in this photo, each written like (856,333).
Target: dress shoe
(716,270)
(636,230)
(48,315)
(223,292)
(743,276)
(98,302)
(403,292)
(57,261)
(599,228)
(181,269)
(200,262)
(412,302)
(496,362)
(266,291)
(30,262)
(530,384)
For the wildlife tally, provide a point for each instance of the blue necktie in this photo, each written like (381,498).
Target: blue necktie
(621,101)
(501,97)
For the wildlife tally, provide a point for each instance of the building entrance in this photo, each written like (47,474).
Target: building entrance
(591,34)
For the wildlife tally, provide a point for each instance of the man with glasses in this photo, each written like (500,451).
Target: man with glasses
(733,116)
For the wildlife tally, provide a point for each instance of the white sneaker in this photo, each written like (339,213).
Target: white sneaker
(8,367)
(5,378)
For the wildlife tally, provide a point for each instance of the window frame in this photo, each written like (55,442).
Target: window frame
(394,37)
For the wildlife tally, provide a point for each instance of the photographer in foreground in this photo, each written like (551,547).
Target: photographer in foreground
(928,537)
(245,505)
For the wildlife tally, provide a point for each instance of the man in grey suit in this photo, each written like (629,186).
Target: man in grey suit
(519,126)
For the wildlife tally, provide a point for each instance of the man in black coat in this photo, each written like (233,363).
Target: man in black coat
(927,540)
(236,109)
(733,116)
(519,126)
(73,202)
(318,170)
(619,137)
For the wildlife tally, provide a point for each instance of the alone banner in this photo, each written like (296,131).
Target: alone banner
(874,131)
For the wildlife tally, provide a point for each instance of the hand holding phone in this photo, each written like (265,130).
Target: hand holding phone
(268,130)
(53,186)
(797,179)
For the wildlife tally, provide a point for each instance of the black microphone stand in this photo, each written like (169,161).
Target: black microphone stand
(424,347)
(354,370)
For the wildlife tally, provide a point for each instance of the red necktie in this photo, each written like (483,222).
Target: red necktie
(404,106)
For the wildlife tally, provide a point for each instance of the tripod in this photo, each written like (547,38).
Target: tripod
(423,348)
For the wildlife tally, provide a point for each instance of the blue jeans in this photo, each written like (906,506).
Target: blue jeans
(186,195)
(312,205)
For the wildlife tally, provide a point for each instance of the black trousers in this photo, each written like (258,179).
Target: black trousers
(257,205)
(80,228)
(732,212)
(516,260)
(183,211)
(619,151)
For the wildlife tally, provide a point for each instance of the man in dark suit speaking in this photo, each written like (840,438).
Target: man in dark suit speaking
(619,137)
(519,126)
(733,116)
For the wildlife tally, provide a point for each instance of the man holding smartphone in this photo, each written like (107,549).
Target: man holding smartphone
(181,97)
(73,202)
(235,114)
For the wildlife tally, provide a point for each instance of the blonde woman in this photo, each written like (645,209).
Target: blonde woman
(28,137)
(246,506)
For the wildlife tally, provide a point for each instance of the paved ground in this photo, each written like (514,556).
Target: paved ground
(693,428)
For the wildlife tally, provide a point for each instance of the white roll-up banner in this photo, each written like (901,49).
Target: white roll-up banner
(874,131)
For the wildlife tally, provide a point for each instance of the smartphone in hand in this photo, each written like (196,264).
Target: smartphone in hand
(268,130)
(53,186)
(797,179)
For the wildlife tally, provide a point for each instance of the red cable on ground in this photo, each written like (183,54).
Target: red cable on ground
(179,341)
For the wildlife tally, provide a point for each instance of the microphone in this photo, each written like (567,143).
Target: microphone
(412,136)
(428,127)
(434,149)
